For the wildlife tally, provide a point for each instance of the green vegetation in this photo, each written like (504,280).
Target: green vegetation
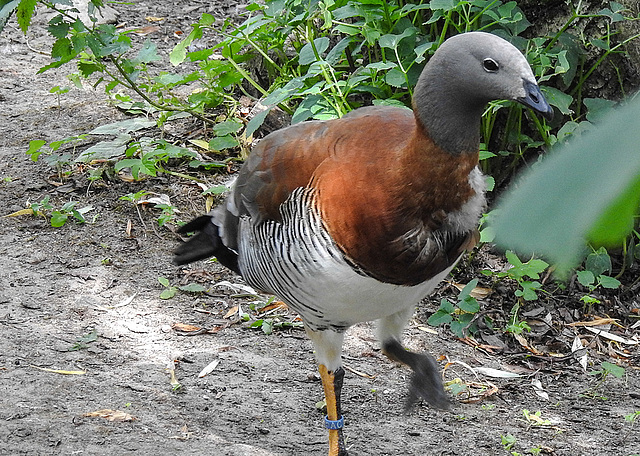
(460,316)
(606,369)
(319,59)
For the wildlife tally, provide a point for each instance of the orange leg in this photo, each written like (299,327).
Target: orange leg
(332,384)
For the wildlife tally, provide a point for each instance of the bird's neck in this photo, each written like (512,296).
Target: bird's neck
(449,117)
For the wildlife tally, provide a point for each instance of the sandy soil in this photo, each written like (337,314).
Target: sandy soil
(60,284)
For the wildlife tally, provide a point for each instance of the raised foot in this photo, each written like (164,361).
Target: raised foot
(426,382)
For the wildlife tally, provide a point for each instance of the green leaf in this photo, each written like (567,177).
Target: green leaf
(123,126)
(227,127)
(609,282)
(168,293)
(105,150)
(148,53)
(223,142)
(267,326)
(468,288)
(58,27)
(24,13)
(598,262)
(62,50)
(443,314)
(529,289)
(446,5)
(588,188)
(58,219)
(586,278)
(392,41)
(35,148)
(6,9)
(163,281)
(617,220)
(597,108)
(439,318)
(307,55)
(216,190)
(395,78)
(179,52)
(446,306)
(469,305)
(458,328)
(614,369)
(559,99)
(193,288)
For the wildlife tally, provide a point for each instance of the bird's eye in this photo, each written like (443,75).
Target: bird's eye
(490,65)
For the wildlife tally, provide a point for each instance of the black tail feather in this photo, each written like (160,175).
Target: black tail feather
(426,382)
(205,244)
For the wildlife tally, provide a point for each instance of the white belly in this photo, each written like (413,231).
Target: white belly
(297,261)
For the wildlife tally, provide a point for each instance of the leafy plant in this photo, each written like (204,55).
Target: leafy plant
(556,208)
(535,418)
(508,441)
(82,341)
(67,210)
(521,271)
(516,326)
(58,217)
(606,369)
(459,316)
(171,290)
(631,418)
(597,263)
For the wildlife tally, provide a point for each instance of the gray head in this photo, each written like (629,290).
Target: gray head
(465,73)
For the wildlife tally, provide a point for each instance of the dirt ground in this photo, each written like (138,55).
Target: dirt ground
(60,284)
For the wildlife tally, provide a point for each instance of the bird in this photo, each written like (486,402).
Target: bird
(360,218)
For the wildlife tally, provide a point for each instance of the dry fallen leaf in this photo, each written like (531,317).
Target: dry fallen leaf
(358,373)
(428,329)
(209,203)
(274,305)
(209,368)
(111,415)
(520,338)
(158,198)
(202,144)
(59,371)
(154,19)
(539,390)
(496,373)
(595,322)
(185,327)
(613,337)
(147,30)
(28,211)
(231,313)
(477,292)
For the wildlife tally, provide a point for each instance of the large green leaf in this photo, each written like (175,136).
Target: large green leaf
(586,190)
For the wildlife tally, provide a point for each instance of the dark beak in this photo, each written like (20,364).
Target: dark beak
(536,101)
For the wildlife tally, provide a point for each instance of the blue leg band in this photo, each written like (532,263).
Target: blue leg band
(335,425)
